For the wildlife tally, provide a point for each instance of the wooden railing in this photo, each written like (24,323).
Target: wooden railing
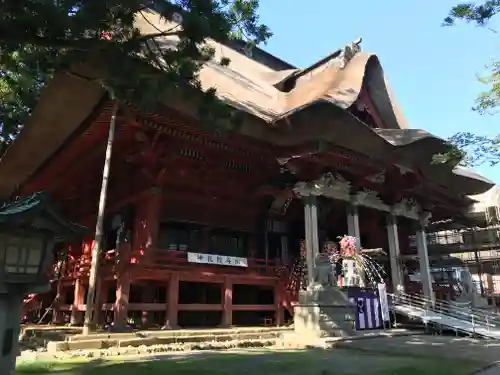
(261,266)
(165,257)
(75,267)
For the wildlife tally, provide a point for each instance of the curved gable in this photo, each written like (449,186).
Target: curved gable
(382,96)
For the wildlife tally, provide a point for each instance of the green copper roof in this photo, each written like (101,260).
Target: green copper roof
(36,212)
(23,205)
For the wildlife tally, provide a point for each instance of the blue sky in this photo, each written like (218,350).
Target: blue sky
(432,69)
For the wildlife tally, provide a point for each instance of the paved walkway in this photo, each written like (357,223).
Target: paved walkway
(430,347)
(495,370)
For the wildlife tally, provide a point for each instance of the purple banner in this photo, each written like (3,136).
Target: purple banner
(368,313)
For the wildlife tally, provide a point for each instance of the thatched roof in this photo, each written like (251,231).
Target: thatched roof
(250,84)
(314,109)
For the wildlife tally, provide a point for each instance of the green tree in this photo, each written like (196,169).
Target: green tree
(40,37)
(474,149)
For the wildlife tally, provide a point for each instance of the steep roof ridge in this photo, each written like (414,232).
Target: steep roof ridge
(340,56)
(249,85)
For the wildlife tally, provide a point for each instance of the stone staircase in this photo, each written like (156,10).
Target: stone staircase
(336,322)
(324,312)
(60,340)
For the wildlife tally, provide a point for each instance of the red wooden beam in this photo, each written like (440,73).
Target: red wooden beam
(70,153)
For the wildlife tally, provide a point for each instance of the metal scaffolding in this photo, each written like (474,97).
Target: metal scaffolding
(478,249)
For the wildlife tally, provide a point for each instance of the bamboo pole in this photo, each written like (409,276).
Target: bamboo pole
(90,317)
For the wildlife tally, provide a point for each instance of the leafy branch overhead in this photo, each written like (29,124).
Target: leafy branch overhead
(473,149)
(472,12)
(40,37)
(481,14)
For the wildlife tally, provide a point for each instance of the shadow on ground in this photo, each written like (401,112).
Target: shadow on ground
(268,362)
(428,346)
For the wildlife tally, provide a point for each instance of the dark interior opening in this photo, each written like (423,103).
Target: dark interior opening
(69,296)
(110,296)
(274,245)
(228,242)
(136,292)
(199,319)
(205,293)
(147,292)
(180,237)
(253,318)
(85,291)
(253,295)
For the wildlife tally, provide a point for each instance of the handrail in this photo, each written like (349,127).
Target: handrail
(458,304)
(457,310)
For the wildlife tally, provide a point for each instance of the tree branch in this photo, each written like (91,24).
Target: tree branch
(84,44)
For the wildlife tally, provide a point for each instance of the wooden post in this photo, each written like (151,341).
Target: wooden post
(353,223)
(479,272)
(266,246)
(311,240)
(147,297)
(423,260)
(78,301)
(278,301)
(122,296)
(57,317)
(354,231)
(153,215)
(89,321)
(172,303)
(398,284)
(56,310)
(122,285)
(227,303)
(100,298)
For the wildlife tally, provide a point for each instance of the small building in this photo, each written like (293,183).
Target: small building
(204,229)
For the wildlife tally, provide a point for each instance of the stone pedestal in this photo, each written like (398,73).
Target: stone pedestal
(324,311)
(10,311)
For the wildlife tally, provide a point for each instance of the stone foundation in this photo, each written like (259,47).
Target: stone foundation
(324,312)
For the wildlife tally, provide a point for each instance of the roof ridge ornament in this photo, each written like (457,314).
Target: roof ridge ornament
(371,199)
(330,185)
(349,51)
(407,207)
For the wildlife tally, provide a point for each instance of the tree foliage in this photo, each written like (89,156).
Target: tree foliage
(473,149)
(40,37)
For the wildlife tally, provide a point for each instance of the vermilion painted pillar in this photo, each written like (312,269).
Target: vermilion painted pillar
(122,295)
(56,312)
(100,298)
(278,301)
(123,281)
(227,303)
(148,295)
(172,303)
(151,213)
(76,315)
